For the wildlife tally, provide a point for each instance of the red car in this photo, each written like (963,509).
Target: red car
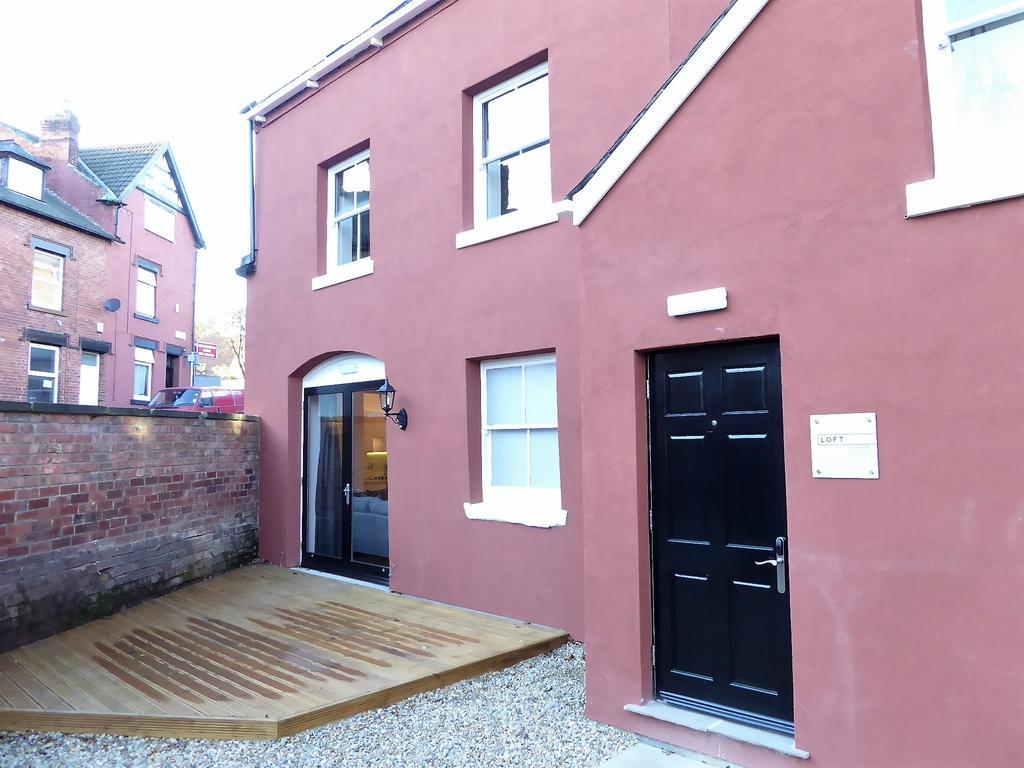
(200,399)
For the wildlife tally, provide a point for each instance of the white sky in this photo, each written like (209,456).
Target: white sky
(178,72)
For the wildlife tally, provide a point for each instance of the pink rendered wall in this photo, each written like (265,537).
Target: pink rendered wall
(782,179)
(175,286)
(429,308)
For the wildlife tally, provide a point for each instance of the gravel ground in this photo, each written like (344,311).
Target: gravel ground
(527,716)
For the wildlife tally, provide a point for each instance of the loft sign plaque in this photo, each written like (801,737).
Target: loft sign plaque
(844,445)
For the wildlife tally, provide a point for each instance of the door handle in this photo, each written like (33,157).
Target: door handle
(779,561)
(347,490)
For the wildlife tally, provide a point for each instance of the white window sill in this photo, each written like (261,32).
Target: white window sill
(936,195)
(509,224)
(344,273)
(708,724)
(520,514)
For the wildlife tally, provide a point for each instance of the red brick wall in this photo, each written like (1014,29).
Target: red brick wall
(101,507)
(85,287)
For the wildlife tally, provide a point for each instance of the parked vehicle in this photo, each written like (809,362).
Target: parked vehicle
(200,399)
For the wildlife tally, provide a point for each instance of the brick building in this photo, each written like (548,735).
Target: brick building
(53,269)
(132,198)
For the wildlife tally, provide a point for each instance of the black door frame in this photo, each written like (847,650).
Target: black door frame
(338,566)
(704,707)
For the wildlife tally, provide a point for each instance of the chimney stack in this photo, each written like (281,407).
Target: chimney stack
(60,135)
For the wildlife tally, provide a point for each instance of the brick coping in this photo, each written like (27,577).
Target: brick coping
(14,406)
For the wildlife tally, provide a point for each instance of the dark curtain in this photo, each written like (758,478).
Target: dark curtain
(329,501)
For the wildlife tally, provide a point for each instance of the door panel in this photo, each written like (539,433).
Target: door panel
(722,633)
(345,497)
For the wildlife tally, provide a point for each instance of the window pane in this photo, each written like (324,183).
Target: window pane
(516,119)
(544,458)
(363,242)
(41,389)
(353,188)
(147,276)
(345,199)
(47,273)
(145,299)
(541,407)
(519,183)
(508,458)
(141,380)
(963,9)
(42,360)
(989,91)
(346,240)
(25,178)
(505,395)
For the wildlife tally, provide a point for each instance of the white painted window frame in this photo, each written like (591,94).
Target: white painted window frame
(485,229)
(155,215)
(149,365)
(341,273)
(956,184)
(36,252)
(536,507)
(139,281)
(55,375)
(24,178)
(82,367)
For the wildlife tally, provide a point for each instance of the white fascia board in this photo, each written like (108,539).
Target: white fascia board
(329,63)
(675,93)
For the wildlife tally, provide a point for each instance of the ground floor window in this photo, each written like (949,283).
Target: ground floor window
(520,429)
(89,381)
(144,362)
(43,367)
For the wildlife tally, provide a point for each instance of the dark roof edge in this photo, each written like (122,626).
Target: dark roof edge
(93,229)
(650,103)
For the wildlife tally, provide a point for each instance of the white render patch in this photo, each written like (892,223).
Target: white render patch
(844,445)
(180,335)
(697,301)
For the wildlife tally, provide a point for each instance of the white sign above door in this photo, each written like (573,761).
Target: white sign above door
(844,445)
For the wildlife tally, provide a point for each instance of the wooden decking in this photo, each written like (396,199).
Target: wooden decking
(259,653)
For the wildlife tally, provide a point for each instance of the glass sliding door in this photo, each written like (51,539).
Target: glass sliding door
(345,479)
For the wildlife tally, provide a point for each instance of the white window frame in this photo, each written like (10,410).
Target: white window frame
(60,279)
(339,273)
(957,184)
(55,375)
(27,178)
(82,400)
(537,507)
(159,218)
(149,362)
(138,280)
(485,229)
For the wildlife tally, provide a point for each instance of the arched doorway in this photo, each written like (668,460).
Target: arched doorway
(345,469)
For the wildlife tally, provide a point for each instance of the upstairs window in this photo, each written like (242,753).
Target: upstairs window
(24,178)
(145,292)
(512,147)
(159,219)
(520,431)
(975,61)
(47,280)
(43,367)
(348,212)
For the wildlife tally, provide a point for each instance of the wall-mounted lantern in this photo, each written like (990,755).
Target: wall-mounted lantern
(387,402)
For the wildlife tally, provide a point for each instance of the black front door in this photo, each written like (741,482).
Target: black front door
(345,481)
(718,515)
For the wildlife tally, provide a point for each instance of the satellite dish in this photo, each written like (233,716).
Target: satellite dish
(112,305)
